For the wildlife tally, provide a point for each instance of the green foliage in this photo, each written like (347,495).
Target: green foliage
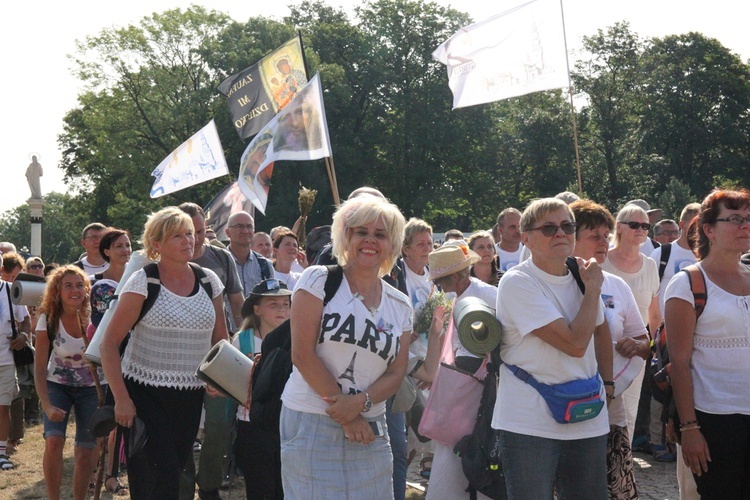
(674,198)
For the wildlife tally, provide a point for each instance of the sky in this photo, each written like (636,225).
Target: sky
(37,88)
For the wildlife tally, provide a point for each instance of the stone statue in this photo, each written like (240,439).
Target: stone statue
(33,173)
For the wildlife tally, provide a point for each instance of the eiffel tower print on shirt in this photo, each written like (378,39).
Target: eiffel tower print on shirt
(349,372)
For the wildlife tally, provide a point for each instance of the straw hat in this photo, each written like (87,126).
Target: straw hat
(450,259)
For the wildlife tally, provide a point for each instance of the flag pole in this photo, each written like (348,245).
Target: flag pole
(332,179)
(572,108)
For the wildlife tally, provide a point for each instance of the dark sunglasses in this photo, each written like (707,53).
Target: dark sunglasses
(635,225)
(36,266)
(551,229)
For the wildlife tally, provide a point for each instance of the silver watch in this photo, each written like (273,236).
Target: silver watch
(368,403)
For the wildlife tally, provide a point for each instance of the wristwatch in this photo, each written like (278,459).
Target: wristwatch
(368,403)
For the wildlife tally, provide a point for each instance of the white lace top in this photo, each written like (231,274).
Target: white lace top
(168,344)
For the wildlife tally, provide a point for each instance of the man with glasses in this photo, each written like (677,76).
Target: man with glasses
(666,231)
(252,266)
(92,262)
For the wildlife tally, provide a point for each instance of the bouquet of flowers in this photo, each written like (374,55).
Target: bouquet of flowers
(424,318)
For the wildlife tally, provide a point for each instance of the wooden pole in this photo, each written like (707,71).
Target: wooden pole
(572,108)
(332,179)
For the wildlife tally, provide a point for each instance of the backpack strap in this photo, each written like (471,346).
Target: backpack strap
(698,287)
(247,342)
(333,282)
(666,250)
(572,264)
(203,278)
(265,269)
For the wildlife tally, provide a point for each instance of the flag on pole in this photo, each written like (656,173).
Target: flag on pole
(516,52)
(228,201)
(199,159)
(257,93)
(299,132)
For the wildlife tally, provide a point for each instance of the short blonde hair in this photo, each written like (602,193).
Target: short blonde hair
(541,207)
(161,225)
(624,215)
(363,210)
(414,227)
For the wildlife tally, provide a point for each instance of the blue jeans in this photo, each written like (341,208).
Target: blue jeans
(534,467)
(85,401)
(397,434)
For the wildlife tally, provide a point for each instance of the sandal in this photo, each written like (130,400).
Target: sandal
(425,467)
(5,463)
(118,490)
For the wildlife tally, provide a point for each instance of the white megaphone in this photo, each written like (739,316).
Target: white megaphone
(137,261)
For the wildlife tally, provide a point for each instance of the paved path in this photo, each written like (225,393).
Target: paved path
(656,480)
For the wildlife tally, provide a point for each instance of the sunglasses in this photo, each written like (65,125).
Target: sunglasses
(551,229)
(635,225)
(36,266)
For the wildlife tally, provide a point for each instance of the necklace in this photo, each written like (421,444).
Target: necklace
(358,296)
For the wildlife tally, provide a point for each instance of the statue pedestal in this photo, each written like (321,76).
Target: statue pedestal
(36,205)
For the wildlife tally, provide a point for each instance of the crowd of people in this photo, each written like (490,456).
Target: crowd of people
(578,293)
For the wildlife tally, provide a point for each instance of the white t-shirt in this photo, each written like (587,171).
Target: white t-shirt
(91,269)
(624,321)
(67,365)
(356,345)
(644,283)
(480,290)
(242,413)
(720,364)
(647,247)
(19,313)
(528,299)
(678,259)
(419,289)
(289,278)
(509,259)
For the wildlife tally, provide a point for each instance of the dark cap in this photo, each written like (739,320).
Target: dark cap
(266,288)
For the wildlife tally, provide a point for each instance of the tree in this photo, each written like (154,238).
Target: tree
(64,218)
(695,115)
(609,76)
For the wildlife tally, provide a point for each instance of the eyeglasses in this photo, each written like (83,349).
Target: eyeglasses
(246,227)
(551,229)
(635,225)
(737,220)
(36,266)
(673,232)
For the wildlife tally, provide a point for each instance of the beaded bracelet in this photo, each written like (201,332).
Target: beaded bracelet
(690,422)
(611,397)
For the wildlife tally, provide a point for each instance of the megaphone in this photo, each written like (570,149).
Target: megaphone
(227,370)
(27,289)
(137,261)
(477,327)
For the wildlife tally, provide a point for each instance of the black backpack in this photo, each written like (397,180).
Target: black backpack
(272,370)
(480,450)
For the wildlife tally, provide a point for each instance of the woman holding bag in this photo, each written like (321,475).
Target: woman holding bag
(349,356)
(450,267)
(555,335)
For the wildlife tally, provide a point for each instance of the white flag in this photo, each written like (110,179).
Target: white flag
(199,159)
(299,132)
(519,51)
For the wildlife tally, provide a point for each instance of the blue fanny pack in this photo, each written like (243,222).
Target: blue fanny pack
(570,402)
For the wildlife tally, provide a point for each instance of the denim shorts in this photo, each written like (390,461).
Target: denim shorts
(84,400)
(317,461)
